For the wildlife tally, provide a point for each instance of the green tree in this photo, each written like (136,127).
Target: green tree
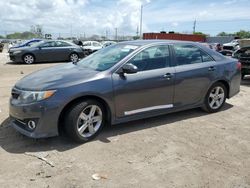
(243,34)
(200,33)
(23,35)
(1,37)
(223,34)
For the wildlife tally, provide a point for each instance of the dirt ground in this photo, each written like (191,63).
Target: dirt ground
(185,149)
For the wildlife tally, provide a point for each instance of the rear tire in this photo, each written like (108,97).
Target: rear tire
(84,120)
(215,98)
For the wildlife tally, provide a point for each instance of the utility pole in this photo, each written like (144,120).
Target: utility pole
(141,21)
(71,31)
(194,27)
(116,32)
(137,31)
(106,34)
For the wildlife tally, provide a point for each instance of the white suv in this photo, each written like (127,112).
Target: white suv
(91,46)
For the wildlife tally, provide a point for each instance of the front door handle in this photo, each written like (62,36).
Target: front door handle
(211,69)
(168,76)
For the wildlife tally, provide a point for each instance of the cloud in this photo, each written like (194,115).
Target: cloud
(230,2)
(98,16)
(174,24)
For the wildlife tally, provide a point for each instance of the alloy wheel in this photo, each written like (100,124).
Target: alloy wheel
(28,59)
(89,121)
(73,58)
(216,97)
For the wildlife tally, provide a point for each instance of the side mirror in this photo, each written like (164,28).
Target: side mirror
(39,47)
(129,68)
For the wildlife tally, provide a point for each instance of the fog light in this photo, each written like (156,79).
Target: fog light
(31,124)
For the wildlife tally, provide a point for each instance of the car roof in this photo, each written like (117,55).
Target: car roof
(147,42)
(214,54)
(90,41)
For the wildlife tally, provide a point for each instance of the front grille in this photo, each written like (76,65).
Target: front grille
(228,48)
(15,93)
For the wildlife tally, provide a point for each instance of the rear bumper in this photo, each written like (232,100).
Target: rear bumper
(235,85)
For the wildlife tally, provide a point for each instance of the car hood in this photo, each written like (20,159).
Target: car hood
(12,49)
(56,77)
(230,44)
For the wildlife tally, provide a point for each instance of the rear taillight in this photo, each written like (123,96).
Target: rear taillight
(239,65)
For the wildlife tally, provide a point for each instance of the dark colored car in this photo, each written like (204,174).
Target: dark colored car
(26,43)
(1,47)
(52,50)
(243,55)
(226,52)
(123,82)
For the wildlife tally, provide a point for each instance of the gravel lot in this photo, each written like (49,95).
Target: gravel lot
(185,149)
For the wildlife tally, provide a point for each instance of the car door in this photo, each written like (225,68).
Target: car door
(48,51)
(151,88)
(195,70)
(63,50)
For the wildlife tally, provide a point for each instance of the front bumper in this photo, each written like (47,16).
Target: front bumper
(15,57)
(44,114)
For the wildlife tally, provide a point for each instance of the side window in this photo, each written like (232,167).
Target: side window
(96,44)
(86,44)
(189,54)
(49,44)
(205,57)
(156,57)
(62,44)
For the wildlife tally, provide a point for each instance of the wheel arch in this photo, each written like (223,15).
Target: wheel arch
(29,53)
(73,52)
(77,100)
(225,83)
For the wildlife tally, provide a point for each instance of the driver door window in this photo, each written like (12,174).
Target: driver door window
(49,44)
(156,57)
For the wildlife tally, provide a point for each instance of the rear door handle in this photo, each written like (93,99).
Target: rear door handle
(211,69)
(168,76)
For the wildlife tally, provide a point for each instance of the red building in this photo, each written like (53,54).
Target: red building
(174,36)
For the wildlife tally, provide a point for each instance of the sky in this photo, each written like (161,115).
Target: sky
(89,17)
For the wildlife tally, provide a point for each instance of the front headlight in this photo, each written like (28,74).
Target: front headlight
(17,52)
(34,96)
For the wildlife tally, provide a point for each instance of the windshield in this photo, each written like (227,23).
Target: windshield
(107,57)
(36,44)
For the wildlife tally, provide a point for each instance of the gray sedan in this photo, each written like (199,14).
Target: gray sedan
(47,51)
(123,82)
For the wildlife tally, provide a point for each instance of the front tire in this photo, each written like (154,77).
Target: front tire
(84,120)
(215,98)
(28,59)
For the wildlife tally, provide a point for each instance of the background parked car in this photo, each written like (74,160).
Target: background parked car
(226,52)
(25,43)
(52,50)
(107,43)
(233,45)
(243,55)
(1,47)
(91,46)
